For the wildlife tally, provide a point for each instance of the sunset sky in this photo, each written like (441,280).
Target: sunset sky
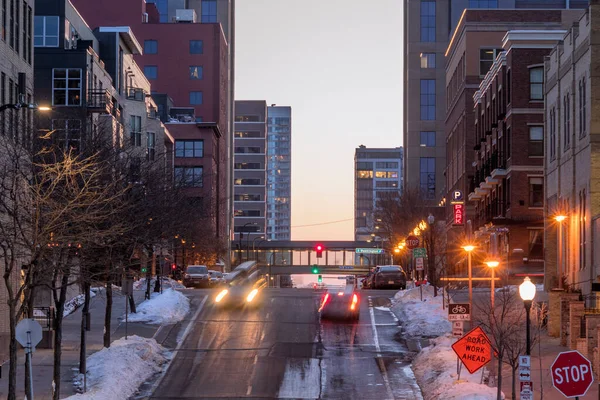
(338,64)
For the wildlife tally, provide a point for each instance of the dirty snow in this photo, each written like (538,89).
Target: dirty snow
(167,283)
(78,301)
(419,318)
(167,308)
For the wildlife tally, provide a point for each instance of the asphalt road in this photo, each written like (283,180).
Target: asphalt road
(283,350)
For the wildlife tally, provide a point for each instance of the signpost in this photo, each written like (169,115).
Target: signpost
(419,252)
(473,350)
(572,374)
(29,333)
(459,312)
(368,250)
(412,242)
(457,329)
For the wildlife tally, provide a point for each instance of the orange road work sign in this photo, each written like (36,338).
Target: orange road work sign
(474,349)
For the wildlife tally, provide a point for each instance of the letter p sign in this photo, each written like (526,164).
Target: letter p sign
(457,195)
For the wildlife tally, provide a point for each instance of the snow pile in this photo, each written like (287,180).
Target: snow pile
(78,301)
(435,370)
(115,373)
(167,308)
(167,283)
(419,318)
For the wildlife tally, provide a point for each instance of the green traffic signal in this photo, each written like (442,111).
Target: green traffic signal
(320,278)
(144,270)
(315,269)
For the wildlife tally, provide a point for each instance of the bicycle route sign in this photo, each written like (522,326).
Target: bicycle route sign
(459,312)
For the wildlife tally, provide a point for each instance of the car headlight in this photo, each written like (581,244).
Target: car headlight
(186,276)
(221,294)
(252,295)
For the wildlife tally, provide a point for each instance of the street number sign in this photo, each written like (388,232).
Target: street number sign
(419,252)
(459,312)
(412,242)
(474,350)
(572,374)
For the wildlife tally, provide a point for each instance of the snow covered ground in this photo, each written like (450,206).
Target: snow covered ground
(435,365)
(167,308)
(78,301)
(167,283)
(115,373)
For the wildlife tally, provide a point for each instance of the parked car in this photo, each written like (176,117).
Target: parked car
(216,278)
(196,276)
(387,277)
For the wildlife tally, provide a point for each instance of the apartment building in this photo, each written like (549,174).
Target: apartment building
(377,175)
(279,172)
(428,28)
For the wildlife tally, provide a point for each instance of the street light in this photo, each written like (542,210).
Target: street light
(255,252)
(253,243)
(241,235)
(527,292)
(431,258)
(18,106)
(469,248)
(560,218)
(493,264)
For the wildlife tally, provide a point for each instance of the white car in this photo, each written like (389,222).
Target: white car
(216,278)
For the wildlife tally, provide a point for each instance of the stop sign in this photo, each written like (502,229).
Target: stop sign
(572,374)
(412,242)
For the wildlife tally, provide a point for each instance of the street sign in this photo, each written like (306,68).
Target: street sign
(457,329)
(127,287)
(572,374)
(419,264)
(473,349)
(419,252)
(459,214)
(524,373)
(526,391)
(412,242)
(525,361)
(369,251)
(457,195)
(32,327)
(346,267)
(459,312)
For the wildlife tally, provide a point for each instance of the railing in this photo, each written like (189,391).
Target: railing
(137,94)
(152,113)
(45,316)
(99,101)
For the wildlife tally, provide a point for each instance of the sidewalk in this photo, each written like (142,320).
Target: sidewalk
(43,358)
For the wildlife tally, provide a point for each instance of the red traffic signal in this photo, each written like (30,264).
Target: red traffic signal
(173,266)
(319,250)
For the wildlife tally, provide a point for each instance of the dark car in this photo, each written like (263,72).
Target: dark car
(196,276)
(387,277)
(243,290)
(340,303)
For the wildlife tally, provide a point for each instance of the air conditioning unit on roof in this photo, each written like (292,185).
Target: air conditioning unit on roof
(185,16)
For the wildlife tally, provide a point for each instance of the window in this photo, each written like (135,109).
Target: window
(552,123)
(582,110)
(508,83)
(364,165)
(209,11)
(163,9)
(483,3)
(536,244)
(67,133)
(16,28)
(508,142)
(188,176)
(247,165)
(248,150)
(364,174)
(582,229)
(66,87)
(386,184)
(246,197)
(195,98)
(189,148)
(536,141)
(247,118)
(427,139)
(151,71)
(195,72)
(427,60)
(11,23)
(3,32)
(45,31)
(486,59)
(196,47)
(150,47)
(536,192)
(247,181)
(427,21)
(427,99)
(151,145)
(386,165)
(247,213)
(247,134)
(135,133)
(427,177)
(567,122)
(536,83)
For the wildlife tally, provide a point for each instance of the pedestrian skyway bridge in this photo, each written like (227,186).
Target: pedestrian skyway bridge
(309,257)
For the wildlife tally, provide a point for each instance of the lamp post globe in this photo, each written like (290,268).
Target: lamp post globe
(430,219)
(527,292)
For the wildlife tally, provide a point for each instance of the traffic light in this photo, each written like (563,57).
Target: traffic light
(320,278)
(173,267)
(144,270)
(315,269)
(319,250)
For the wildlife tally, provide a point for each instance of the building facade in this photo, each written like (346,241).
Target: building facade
(250,175)
(428,28)
(476,130)
(571,158)
(377,175)
(279,172)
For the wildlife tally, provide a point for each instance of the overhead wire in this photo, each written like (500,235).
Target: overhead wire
(323,223)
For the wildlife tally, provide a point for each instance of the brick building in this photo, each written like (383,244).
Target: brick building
(471,140)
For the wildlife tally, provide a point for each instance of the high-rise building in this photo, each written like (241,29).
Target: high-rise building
(377,175)
(428,27)
(279,172)
(187,55)
(250,175)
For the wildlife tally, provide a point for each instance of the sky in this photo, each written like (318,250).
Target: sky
(338,64)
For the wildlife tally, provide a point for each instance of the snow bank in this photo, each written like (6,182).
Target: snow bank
(167,283)
(115,373)
(167,308)
(78,301)
(435,370)
(419,318)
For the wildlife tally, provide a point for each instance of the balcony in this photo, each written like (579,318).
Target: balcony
(153,113)
(99,101)
(474,196)
(136,94)
(491,181)
(498,173)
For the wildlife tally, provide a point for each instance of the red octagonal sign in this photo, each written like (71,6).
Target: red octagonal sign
(572,374)
(412,242)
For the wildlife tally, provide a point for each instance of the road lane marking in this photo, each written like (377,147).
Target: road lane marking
(249,390)
(255,359)
(262,337)
(384,373)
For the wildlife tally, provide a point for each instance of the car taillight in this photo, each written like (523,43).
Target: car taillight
(354,301)
(325,300)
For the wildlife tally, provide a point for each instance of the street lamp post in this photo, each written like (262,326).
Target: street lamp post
(469,248)
(240,237)
(560,219)
(18,106)
(270,270)
(493,265)
(431,259)
(527,292)
(253,243)
(255,252)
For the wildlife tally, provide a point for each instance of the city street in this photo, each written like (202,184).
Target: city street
(281,350)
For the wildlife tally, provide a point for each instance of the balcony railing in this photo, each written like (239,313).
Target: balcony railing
(152,113)
(136,94)
(99,101)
